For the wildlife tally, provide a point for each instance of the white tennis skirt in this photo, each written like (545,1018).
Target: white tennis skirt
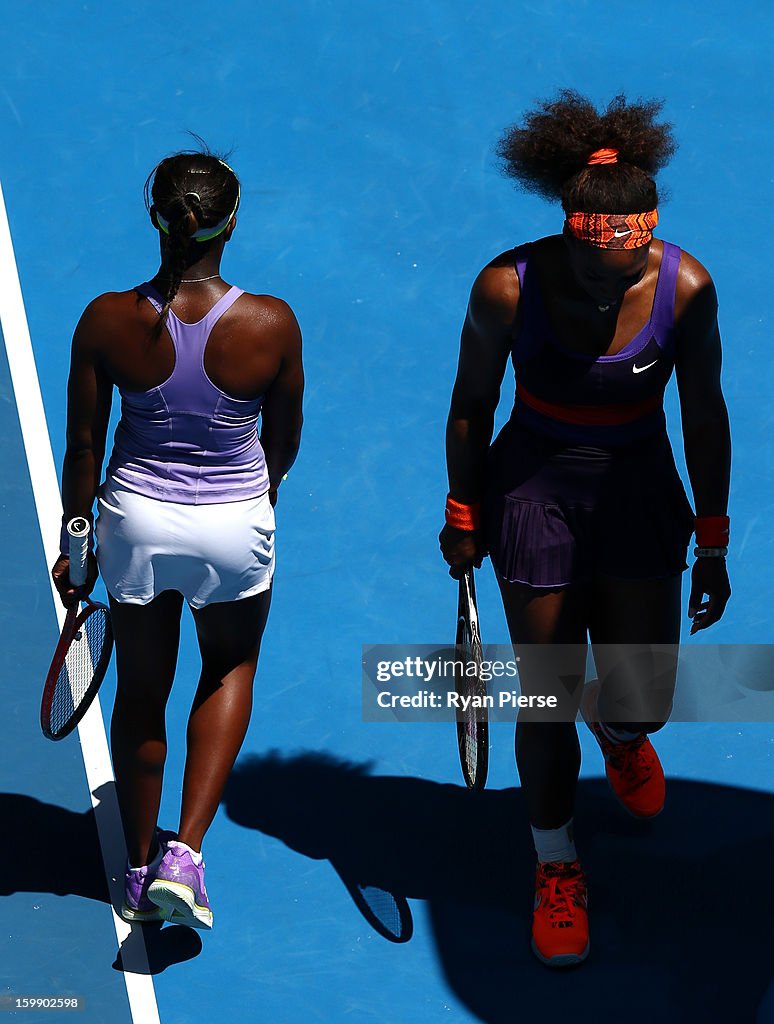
(209,553)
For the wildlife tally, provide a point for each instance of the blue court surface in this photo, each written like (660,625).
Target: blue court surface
(364,136)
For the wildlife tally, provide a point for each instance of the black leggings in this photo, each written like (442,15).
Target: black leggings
(608,611)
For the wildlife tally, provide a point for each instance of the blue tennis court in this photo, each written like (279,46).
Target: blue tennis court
(364,136)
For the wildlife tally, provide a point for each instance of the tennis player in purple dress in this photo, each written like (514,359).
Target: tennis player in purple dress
(186,509)
(578,501)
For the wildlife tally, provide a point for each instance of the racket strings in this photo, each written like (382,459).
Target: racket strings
(85,662)
(472,722)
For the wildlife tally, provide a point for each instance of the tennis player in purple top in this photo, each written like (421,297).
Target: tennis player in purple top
(578,501)
(186,509)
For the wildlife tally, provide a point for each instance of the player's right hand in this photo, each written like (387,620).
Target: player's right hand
(461,549)
(60,573)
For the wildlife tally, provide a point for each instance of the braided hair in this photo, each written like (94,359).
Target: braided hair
(189,192)
(548,153)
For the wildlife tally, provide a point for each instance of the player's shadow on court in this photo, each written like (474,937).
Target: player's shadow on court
(45,848)
(680,906)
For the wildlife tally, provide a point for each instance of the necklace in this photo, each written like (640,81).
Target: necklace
(603,309)
(196,280)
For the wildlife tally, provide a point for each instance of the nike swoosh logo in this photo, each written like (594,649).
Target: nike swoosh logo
(639,369)
(621,234)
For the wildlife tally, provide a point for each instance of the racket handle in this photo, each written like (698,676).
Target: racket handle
(78,530)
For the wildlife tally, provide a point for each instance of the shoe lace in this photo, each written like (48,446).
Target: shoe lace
(631,761)
(566,891)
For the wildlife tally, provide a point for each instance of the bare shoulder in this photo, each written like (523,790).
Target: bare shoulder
(104,316)
(268,309)
(271,318)
(696,317)
(495,293)
(695,292)
(109,303)
(264,329)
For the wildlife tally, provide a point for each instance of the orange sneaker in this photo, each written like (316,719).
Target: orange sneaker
(632,768)
(560,924)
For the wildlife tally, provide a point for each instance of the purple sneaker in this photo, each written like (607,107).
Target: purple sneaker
(178,888)
(136,905)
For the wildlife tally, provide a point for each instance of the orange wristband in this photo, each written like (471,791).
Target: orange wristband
(712,531)
(463,517)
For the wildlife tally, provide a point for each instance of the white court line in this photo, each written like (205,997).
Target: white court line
(94,747)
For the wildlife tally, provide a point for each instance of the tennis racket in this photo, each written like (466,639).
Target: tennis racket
(472,723)
(83,653)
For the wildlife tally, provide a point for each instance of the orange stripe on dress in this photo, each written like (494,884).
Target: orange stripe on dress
(591,415)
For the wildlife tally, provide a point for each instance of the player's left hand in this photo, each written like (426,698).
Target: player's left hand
(709,576)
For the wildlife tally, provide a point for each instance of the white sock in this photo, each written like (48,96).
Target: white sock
(618,735)
(614,735)
(156,859)
(175,844)
(555,843)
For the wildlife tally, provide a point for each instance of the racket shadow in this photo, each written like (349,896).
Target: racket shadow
(678,932)
(384,836)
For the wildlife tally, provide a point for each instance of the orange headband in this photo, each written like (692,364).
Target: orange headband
(613,230)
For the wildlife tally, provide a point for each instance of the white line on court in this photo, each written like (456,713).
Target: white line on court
(48,502)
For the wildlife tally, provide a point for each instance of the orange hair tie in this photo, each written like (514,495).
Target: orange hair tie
(463,517)
(603,156)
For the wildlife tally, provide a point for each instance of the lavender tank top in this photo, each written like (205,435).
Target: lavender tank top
(575,397)
(186,440)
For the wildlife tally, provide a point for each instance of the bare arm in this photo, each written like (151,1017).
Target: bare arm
(89,397)
(281,413)
(484,350)
(706,434)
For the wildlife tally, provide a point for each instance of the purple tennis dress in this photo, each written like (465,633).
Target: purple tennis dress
(185,503)
(186,440)
(582,479)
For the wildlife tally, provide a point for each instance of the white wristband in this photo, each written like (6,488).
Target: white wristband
(79,530)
